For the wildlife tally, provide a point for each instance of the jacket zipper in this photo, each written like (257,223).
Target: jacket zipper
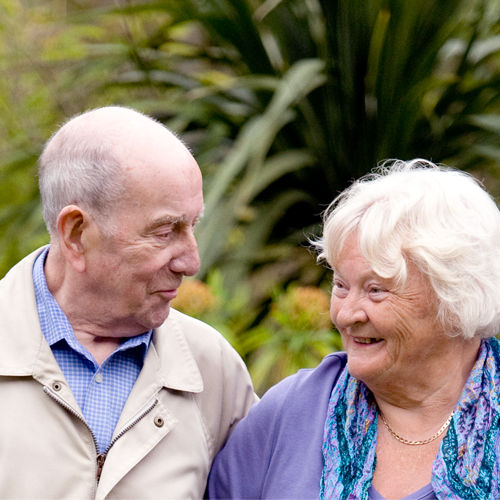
(100,457)
(66,406)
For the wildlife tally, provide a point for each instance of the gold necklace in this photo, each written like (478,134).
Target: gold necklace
(417,443)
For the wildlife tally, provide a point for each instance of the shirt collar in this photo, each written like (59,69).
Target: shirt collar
(55,324)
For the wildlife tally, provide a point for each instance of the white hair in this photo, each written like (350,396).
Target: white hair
(438,218)
(80,164)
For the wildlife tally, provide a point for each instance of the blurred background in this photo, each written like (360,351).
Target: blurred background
(283,103)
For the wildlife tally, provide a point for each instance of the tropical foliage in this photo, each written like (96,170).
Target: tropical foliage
(283,102)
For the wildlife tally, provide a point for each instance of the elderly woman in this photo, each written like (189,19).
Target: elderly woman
(411,408)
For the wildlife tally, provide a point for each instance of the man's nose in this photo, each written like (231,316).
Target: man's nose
(187,259)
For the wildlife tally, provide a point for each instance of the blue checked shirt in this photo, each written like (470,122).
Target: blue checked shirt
(100,391)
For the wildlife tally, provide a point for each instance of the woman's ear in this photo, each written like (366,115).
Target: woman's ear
(72,222)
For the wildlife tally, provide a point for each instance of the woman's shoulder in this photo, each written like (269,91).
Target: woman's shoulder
(313,379)
(327,371)
(267,450)
(307,389)
(304,389)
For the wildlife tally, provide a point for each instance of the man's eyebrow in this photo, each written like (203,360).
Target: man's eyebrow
(165,221)
(169,220)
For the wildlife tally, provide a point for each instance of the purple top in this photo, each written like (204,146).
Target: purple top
(275,452)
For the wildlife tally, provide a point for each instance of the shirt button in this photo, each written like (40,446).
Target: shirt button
(98,377)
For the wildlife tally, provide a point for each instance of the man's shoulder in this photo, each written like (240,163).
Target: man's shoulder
(16,287)
(19,324)
(196,332)
(190,348)
(205,344)
(189,322)
(23,269)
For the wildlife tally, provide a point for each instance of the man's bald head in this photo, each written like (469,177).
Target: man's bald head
(86,161)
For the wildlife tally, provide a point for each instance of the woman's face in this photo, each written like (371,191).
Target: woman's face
(387,333)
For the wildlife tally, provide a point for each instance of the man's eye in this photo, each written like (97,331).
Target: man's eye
(165,234)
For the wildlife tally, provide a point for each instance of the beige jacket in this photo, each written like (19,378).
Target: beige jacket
(192,390)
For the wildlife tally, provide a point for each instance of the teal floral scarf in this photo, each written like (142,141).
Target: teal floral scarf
(468,462)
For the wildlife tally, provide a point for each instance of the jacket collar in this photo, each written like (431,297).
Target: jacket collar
(178,367)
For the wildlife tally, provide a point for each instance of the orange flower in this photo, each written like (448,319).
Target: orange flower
(305,307)
(194,298)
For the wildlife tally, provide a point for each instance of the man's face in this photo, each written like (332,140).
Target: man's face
(134,273)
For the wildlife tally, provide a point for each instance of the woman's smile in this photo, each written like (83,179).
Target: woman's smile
(366,340)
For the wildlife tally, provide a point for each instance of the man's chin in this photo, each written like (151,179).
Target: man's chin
(160,317)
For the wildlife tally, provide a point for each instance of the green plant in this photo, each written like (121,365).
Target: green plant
(297,333)
(210,302)
(284,103)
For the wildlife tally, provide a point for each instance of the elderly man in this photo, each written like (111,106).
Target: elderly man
(105,391)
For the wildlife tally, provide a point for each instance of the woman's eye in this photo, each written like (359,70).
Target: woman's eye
(339,288)
(376,291)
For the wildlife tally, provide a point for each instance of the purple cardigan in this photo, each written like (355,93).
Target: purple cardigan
(275,452)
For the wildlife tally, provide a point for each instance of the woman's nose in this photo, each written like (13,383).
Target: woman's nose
(347,311)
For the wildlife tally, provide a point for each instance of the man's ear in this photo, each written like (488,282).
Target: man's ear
(72,222)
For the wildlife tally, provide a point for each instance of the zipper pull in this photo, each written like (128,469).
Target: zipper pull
(100,464)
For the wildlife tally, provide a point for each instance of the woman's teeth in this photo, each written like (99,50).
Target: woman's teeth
(367,340)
